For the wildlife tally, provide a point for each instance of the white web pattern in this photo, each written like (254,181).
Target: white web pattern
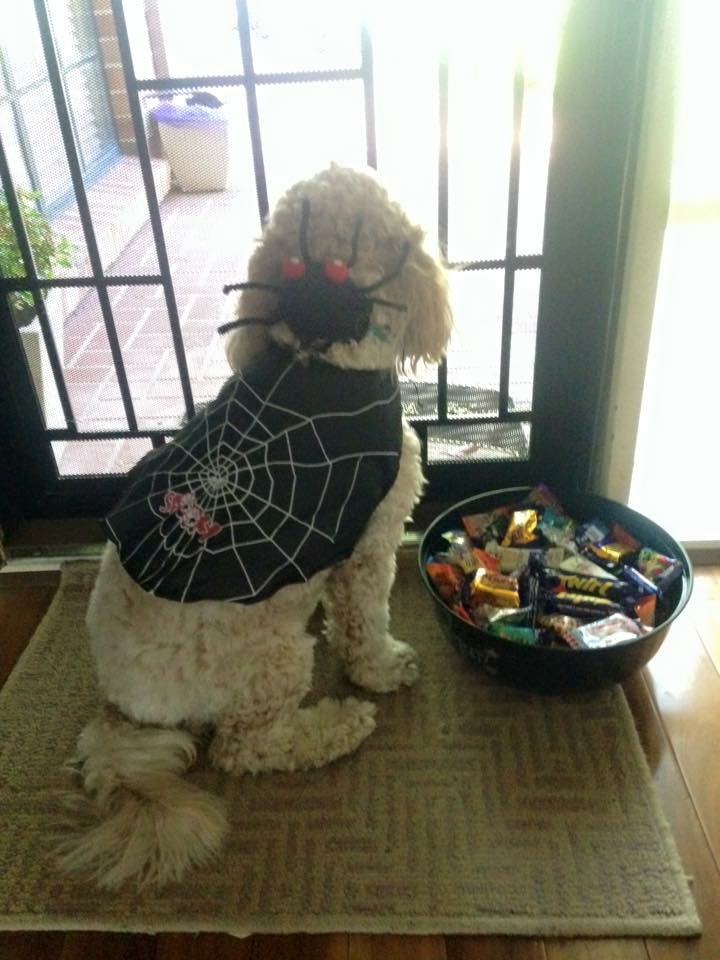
(236,480)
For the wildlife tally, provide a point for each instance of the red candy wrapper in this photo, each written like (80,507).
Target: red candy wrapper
(447,580)
(645,610)
(620,535)
(487,560)
(460,610)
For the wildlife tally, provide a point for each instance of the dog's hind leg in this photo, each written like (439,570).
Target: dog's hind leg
(358,591)
(265,728)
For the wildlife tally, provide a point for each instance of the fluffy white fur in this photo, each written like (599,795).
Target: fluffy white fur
(169,671)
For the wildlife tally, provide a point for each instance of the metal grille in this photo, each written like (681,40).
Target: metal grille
(124,346)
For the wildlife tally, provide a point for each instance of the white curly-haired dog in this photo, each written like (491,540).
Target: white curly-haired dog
(230,536)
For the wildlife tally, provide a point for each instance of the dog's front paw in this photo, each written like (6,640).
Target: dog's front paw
(394,665)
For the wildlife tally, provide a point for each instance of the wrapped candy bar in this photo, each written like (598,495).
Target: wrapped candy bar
(638,580)
(611,551)
(542,496)
(487,560)
(577,563)
(509,631)
(495,589)
(530,573)
(462,557)
(610,588)
(485,613)
(594,531)
(645,610)
(558,528)
(561,626)
(513,558)
(579,605)
(460,610)
(662,570)
(619,534)
(521,530)
(493,524)
(606,633)
(460,551)
(447,580)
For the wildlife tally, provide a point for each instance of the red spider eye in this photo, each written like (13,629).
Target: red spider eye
(293,268)
(336,271)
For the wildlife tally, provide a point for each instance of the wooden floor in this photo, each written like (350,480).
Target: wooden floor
(676,703)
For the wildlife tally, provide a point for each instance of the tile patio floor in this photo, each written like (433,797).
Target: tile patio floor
(204,234)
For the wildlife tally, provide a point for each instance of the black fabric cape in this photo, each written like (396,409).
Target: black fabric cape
(273,481)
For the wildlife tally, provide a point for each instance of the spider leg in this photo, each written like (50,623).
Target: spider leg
(250,285)
(390,276)
(355,239)
(246,322)
(304,220)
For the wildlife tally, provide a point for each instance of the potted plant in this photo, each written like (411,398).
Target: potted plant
(49,251)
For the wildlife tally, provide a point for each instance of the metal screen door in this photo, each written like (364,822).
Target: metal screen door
(142,146)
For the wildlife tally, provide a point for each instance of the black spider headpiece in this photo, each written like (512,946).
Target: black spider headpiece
(319,301)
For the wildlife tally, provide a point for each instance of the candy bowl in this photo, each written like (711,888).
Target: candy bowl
(559,667)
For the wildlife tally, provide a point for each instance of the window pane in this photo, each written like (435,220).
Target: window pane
(46,144)
(484,54)
(73,29)
(478,441)
(196,39)
(315,35)
(145,340)
(480,104)
(11,146)
(524,332)
(474,353)
(539,63)
(407,119)
(88,103)
(305,127)
(88,458)
(21,45)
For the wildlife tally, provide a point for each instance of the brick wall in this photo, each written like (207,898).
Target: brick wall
(147,57)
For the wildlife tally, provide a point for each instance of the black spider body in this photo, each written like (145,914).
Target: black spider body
(319,301)
(318,309)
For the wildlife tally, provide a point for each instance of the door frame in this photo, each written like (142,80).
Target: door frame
(598,108)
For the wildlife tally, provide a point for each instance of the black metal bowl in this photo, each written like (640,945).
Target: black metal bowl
(557,668)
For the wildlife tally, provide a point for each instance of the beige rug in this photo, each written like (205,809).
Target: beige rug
(473,808)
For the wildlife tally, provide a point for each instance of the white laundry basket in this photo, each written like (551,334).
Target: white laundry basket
(195,142)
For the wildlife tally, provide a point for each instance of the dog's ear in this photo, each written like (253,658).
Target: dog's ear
(429,317)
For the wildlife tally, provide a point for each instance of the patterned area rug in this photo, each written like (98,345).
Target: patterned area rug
(473,808)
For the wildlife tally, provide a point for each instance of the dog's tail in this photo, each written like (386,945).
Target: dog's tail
(144,822)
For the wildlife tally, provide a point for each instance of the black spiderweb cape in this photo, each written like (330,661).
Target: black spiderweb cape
(273,481)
